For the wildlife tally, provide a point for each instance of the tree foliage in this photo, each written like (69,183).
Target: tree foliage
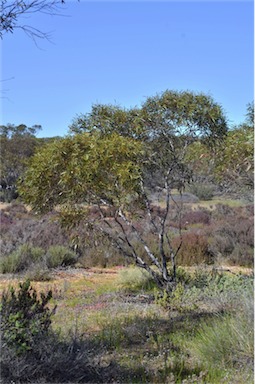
(170,113)
(107,118)
(85,168)
(184,114)
(168,123)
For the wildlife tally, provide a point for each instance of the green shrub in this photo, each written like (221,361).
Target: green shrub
(25,319)
(202,191)
(38,272)
(181,299)
(29,258)
(134,279)
(58,255)
(213,291)
(21,259)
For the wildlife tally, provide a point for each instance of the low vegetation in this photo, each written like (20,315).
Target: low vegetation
(112,326)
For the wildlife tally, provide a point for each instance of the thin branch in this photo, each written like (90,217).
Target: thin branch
(11,14)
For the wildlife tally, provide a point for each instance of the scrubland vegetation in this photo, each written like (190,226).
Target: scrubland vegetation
(128,257)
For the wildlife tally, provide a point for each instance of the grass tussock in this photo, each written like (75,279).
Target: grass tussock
(135,279)
(227,340)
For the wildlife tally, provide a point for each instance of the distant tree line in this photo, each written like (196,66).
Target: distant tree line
(18,143)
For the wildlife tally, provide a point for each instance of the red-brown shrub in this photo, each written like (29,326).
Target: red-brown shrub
(232,239)
(194,249)
(38,231)
(195,217)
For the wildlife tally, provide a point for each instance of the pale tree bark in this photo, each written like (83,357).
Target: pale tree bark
(126,234)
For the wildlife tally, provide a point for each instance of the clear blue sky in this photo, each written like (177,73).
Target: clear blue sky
(122,52)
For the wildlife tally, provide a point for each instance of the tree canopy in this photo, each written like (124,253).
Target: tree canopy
(167,123)
(167,114)
(85,168)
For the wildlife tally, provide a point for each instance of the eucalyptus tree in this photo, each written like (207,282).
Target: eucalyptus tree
(99,174)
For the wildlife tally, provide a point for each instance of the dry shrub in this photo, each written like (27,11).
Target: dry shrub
(194,249)
(28,228)
(100,255)
(196,217)
(233,240)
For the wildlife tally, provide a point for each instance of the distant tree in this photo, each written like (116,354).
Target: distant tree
(234,163)
(250,115)
(12,12)
(18,143)
(230,163)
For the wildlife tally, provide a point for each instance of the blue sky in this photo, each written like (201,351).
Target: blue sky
(122,52)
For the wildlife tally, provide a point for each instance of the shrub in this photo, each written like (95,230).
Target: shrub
(232,239)
(194,249)
(25,319)
(21,259)
(241,256)
(31,352)
(38,272)
(173,300)
(39,231)
(6,222)
(135,279)
(207,290)
(36,261)
(195,217)
(96,250)
(202,191)
(58,255)
(8,195)
(219,292)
